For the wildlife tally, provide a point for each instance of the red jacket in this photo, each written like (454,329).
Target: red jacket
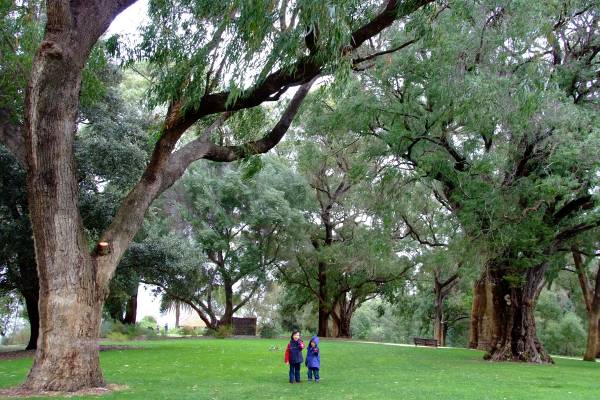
(286,357)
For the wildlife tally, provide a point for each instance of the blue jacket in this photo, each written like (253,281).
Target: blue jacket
(313,354)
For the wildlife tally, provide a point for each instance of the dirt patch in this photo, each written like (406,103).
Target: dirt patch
(14,354)
(16,393)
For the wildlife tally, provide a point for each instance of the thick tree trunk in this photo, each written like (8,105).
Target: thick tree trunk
(344,326)
(131,309)
(438,326)
(514,334)
(598,342)
(591,350)
(481,329)
(342,317)
(227,318)
(177,314)
(591,299)
(322,329)
(477,312)
(71,299)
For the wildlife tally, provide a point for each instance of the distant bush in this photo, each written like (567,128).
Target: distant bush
(224,331)
(18,337)
(268,331)
(566,337)
(189,331)
(115,330)
(148,322)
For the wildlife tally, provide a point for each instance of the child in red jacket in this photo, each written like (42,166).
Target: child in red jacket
(293,356)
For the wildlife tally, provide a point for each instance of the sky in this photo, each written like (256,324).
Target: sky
(129,20)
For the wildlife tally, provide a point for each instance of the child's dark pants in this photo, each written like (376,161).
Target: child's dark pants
(313,371)
(295,372)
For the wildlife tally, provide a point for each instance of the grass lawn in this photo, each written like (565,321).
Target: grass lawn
(247,369)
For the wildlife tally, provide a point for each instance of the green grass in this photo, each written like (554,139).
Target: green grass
(247,369)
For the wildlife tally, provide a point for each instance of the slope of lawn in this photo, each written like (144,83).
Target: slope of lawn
(253,369)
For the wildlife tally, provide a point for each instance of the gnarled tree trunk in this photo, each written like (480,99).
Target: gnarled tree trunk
(482,312)
(514,335)
(71,295)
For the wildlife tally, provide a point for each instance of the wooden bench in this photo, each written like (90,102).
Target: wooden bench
(425,342)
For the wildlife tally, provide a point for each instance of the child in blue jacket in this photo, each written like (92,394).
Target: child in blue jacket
(313,359)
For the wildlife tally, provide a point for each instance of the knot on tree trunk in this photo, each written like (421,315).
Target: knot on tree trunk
(51,49)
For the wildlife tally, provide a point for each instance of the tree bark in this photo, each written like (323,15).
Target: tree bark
(177,314)
(343,323)
(591,298)
(71,299)
(481,328)
(591,351)
(131,308)
(227,318)
(477,312)
(514,335)
(438,326)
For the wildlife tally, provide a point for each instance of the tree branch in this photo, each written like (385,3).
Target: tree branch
(583,280)
(583,202)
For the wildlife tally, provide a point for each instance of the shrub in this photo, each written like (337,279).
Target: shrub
(565,337)
(18,337)
(117,337)
(224,331)
(148,322)
(268,331)
(115,330)
(188,331)
(106,327)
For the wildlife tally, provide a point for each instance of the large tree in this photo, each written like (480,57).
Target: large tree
(348,257)
(235,224)
(73,280)
(505,129)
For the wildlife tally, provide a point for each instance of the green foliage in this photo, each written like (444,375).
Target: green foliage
(224,331)
(148,322)
(194,47)
(268,331)
(474,107)
(189,331)
(117,337)
(560,329)
(116,331)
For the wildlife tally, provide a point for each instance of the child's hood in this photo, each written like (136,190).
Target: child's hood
(316,340)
